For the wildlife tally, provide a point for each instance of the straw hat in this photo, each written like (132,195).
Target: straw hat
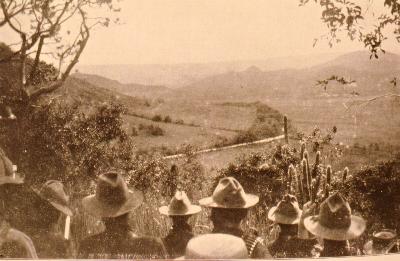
(53,191)
(180,205)
(216,246)
(8,173)
(229,194)
(286,212)
(335,221)
(381,242)
(112,198)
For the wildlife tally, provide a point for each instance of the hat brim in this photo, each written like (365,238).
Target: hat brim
(11,180)
(92,205)
(282,219)
(370,250)
(355,229)
(250,200)
(193,209)
(62,208)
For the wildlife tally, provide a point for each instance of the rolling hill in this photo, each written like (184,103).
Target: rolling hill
(255,84)
(137,90)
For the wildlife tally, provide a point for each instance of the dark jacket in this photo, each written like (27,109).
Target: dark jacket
(255,244)
(51,245)
(337,248)
(47,245)
(176,240)
(286,246)
(121,244)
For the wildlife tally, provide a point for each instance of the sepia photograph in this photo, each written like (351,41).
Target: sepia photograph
(200,129)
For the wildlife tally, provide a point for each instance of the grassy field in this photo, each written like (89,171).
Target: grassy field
(376,122)
(175,135)
(207,115)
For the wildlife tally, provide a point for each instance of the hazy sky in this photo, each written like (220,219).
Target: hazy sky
(175,31)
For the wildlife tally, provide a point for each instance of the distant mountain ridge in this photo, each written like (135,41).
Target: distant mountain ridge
(372,77)
(180,75)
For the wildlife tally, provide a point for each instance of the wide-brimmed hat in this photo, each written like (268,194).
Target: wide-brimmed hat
(180,205)
(229,194)
(8,173)
(335,221)
(113,197)
(53,191)
(216,246)
(381,242)
(286,212)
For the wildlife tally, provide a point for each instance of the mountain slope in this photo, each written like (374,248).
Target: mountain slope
(138,90)
(372,77)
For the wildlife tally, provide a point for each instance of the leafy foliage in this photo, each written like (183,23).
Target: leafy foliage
(374,192)
(61,142)
(263,174)
(344,16)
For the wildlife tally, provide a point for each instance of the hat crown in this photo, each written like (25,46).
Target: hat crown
(288,206)
(381,239)
(6,166)
(216,246)
(180,203)
(335,213)
(53,191)
(112,189)
(229,193)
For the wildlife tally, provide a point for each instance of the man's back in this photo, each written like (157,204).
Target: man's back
(126,245)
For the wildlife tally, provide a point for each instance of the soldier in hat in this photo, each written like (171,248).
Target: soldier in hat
(112,203)
(383,242)
(335,225)
(179,210)
(13,242)
(50,242)
(11,238)
(216,246)
(287,215)
(229,206)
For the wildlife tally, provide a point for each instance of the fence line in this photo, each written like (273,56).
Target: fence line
(268,140)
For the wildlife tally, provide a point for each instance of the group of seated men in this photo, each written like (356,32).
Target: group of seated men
(298,233)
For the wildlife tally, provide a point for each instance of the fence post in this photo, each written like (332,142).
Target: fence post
(285,129)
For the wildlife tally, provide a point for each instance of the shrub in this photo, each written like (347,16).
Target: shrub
(134,131)
(266,182)
(179,122)
(167,119)
(156,118)
(151,130)
(374,192)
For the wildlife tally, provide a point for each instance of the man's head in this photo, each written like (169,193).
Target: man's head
(180,220)
(228,217)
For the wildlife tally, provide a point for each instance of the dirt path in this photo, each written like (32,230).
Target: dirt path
(268,140)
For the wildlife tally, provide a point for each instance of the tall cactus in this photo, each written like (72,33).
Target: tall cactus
(302,149)
(291,174)
(316,164)
(285,129)
(306,180)
(345,174)
(328,180)
(300,187)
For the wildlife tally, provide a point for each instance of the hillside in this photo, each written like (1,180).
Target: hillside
(294,92)
(138,90)
(254,83)
(180,75)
